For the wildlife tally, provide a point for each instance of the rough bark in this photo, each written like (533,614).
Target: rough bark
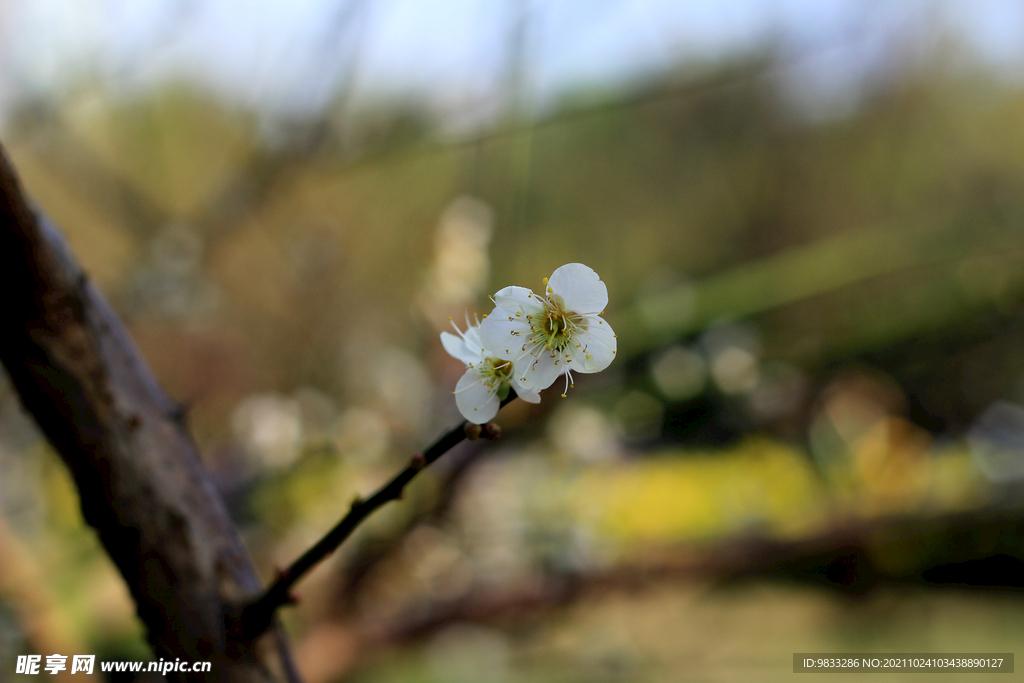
(142,484)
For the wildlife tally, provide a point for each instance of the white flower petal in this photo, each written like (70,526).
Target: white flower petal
(518,298)
(476,401)
(524,393)
(503,334)
(520,368)
(580,287)
(542,371)
(473,341)
(593,349)
(457,348)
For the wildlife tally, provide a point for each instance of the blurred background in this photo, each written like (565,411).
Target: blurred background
(810,218)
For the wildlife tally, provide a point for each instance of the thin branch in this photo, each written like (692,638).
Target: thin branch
(450,475)
(257,616)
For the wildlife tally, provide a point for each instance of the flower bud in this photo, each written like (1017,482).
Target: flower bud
(418,462)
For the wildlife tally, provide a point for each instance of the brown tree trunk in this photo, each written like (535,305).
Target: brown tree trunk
(142,484)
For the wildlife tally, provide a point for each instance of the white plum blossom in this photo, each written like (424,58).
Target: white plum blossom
(558,332)
(487,379)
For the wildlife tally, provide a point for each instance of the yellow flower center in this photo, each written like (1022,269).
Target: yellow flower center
(497,371)
(555,327)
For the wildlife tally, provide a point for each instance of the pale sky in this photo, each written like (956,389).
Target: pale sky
(289,56)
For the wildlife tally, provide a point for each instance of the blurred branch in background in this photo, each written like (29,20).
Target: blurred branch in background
(938,248)
(852,558)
